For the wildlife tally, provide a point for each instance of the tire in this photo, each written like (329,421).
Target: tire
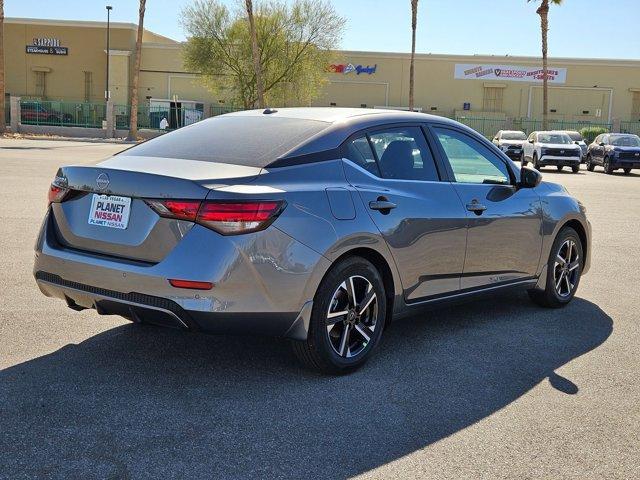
(535,162)
(606,164)
(562,278)
(575,168)
(326,349)
(589,162)
(627,171)
(559,167)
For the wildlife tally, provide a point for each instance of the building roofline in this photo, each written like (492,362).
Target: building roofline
(474,58)
(86,24)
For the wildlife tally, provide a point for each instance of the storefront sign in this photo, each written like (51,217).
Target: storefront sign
(47,46)
(509,73)
(346,68)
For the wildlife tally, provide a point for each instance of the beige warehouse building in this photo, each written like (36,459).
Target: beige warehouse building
(66,61)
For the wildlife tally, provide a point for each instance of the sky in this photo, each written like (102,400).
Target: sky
(578,28)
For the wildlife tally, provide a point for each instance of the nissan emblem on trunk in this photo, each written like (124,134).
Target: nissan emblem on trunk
(102,181)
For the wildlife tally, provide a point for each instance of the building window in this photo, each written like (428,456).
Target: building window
(635,106)
(88,86)
(492,100)
(41,84)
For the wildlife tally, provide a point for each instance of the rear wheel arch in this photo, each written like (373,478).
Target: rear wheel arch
(383,267)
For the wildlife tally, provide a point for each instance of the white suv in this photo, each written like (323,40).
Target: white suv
(551,148)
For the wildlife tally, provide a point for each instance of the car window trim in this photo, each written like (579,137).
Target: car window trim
(512,174)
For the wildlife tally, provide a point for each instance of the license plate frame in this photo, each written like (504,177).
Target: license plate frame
(110,211)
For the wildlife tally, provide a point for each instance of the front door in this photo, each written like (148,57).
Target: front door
(420,217)
(504,239)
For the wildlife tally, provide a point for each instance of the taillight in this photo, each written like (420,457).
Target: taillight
(228,217)
(58,190)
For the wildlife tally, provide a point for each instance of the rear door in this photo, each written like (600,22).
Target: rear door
(504,239)
(420,217)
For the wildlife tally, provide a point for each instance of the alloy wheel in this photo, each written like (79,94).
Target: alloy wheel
(351,317)
(565,268)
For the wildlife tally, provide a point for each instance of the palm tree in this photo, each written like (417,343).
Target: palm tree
(133,117)
(543,11)
(414,18)
(3,126)
(257,66)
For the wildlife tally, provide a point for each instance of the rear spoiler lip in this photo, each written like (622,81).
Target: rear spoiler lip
(129,183)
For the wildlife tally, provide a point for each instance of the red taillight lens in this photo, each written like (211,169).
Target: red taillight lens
(193,285)
(225,217)
(57,193)
(180,209)
(239,217)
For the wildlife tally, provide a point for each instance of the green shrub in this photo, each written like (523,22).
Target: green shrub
(590,133)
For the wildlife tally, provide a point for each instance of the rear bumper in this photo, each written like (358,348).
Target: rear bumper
(262,282)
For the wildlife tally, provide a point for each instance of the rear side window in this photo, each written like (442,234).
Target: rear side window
(403,154)
(359,152)
(253,141)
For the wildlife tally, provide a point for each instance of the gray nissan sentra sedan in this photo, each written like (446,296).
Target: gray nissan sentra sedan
(316,224)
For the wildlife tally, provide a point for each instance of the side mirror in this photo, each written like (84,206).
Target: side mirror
(577,142)
(531,140)
(601,144)
(529,178)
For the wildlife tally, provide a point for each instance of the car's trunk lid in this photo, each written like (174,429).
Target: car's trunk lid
(138,233)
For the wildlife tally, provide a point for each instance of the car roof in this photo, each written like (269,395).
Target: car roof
(341,123)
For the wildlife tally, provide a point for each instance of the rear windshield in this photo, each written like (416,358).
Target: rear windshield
(513,136)
(240,140)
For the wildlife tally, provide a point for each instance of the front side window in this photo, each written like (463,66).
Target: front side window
(470,160)
(403,154)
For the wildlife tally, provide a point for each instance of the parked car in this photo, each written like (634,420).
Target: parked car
(578,140)
(36,113)
(316,224)
(510,142)
(613,151)
(551,148)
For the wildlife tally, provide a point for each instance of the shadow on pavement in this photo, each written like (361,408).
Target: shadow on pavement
(145,402)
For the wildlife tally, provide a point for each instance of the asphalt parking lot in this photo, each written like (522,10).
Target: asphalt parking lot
(496,389)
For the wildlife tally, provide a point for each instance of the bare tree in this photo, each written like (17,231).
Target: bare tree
(414,20)
(133,116)
(257,65)
(3,125)
(543,11)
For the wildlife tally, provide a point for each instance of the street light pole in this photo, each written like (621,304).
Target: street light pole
(106,91)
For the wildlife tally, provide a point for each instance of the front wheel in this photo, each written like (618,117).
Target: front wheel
(608,169)
(627,171)
(347,319)
(564,268)
(575,168)
(589,162)
(536,165)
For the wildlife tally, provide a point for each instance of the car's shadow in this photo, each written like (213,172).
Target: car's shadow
(145,402)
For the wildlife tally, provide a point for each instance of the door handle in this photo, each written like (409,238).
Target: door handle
(476,207)
(382,204)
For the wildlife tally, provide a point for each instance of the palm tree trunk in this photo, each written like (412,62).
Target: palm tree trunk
(414,18)
(3,125)
(543,11)
(257,66)
(133,117)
